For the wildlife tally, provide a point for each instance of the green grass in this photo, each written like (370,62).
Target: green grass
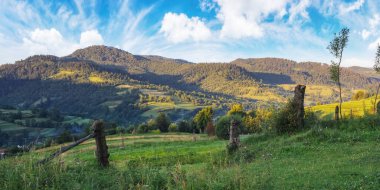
(345,157)
(153,92)
(156,107)
(78,120)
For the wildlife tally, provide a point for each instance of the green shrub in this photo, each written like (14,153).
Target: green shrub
(258,120)
(162,122)
(143,128)
(311,118)
(152,124)
(285,120)
(223,125)
(157,131)
(231,148)
(184,126)
(359,95)
(173,127)
(65,136)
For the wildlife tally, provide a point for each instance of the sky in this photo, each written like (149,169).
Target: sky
(194,30)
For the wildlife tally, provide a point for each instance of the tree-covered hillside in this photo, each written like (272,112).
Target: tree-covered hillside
(306,72)
(106,82)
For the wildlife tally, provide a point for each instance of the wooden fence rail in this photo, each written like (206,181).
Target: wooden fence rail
(64,149)
(101,145)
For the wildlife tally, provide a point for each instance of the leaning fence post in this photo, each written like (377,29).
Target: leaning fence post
(194,137)
(351,114)
(337,113)
(101,144)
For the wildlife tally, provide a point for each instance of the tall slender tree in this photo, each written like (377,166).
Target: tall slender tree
(336,48)
(376,67)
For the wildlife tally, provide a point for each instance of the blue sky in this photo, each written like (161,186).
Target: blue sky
(195,30)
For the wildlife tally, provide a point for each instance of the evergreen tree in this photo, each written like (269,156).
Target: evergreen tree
(162,122)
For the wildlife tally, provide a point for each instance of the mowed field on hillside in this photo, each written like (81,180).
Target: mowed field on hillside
(313,159)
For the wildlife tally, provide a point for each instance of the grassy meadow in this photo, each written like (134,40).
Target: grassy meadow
(358,108)
(345,157)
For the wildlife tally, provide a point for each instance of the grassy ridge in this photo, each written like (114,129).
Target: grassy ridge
(319,158)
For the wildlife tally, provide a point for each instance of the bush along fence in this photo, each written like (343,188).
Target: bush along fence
(102,154)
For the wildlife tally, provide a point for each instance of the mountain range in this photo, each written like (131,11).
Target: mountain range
(106,82)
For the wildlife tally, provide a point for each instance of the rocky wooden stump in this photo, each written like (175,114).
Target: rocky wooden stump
(337,113)
(101,144)
(298,100)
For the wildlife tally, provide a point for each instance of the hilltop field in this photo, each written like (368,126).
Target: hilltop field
(353,108)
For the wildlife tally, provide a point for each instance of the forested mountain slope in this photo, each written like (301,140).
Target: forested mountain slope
(101,81)
(307,72)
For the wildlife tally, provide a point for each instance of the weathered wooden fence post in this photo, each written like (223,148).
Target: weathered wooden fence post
(351,114)
(337,113)
(194,137)
(101,144)
(210,129)
(234,137)
(122,140)
(299,96)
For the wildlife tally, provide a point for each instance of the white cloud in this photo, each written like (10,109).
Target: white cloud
(179,28)
(243,18)
(299,9)
(207,5)
(373,23)
(248,18)
(344,9)
(91,37)
(365,34)
(46,36)
(373,45)
(45,41)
